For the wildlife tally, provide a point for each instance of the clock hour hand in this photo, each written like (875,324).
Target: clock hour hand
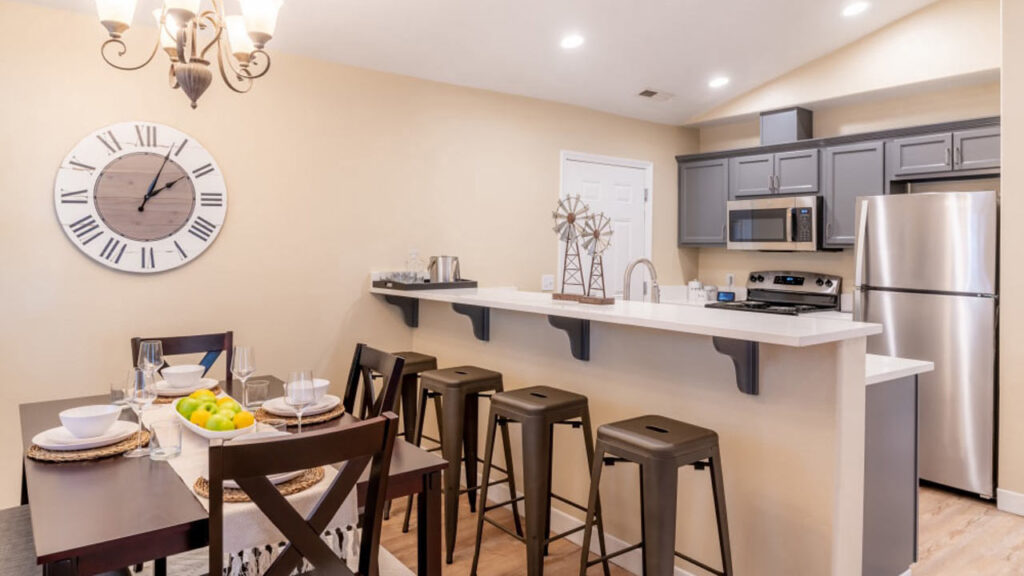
(149,191)
(159,190)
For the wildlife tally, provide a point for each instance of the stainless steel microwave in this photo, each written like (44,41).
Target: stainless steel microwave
(783,223)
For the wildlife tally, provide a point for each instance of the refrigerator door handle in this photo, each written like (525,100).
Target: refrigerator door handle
(862,230)
(858,305)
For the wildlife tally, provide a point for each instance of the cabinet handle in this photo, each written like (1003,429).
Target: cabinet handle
(778,183)
(771,183)
(959,156)
(947,155)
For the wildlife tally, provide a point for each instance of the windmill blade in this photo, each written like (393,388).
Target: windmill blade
(561,226)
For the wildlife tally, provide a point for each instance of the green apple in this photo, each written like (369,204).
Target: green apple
(219,423)
(227,413)
(208,406)
(187,406)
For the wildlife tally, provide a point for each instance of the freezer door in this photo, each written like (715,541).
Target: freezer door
(941,242)
(957,400)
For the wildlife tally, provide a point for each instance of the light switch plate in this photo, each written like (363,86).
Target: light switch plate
(547,282)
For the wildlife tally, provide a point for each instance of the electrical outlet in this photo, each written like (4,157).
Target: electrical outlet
(547,282)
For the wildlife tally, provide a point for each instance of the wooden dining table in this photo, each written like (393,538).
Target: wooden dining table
(96,516)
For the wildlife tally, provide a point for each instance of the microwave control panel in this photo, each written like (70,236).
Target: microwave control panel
(804,229)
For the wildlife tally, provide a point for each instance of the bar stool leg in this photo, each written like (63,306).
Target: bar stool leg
(547,507)
(481,509)
(454,418)
(407,406)
(510,470)
(596,466)
(470,432)
(417,439)
(658,484)
(588,439)
(536,458)
(718,490)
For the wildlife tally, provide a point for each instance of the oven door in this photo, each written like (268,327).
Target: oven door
(773,224)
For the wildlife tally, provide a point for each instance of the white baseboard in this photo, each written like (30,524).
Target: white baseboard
(561,522)
(1008,501)
(907,573)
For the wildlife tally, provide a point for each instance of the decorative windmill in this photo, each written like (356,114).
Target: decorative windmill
(569,215)
(597,234)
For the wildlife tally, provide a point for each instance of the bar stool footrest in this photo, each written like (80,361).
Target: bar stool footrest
(625,550)
(564,500)
(699,564)
(511,533)
(503,504)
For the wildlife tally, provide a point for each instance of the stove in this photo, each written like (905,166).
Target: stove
(787,293)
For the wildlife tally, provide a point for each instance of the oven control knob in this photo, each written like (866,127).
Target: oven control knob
(820,282)
(760,278)
(753,277)
(828,283)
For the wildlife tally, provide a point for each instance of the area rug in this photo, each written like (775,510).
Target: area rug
(196,563)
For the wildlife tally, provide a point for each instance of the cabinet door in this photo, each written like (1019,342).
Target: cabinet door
(751,176)
(922,154)
(796,172)
(850,171)
(703,193)
(976,148)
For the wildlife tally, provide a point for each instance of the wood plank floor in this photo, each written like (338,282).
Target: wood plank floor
(960,536)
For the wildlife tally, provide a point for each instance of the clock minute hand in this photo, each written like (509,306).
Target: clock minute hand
(159,190)
(149,191)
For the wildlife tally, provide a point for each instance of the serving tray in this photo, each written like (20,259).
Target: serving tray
(395,285)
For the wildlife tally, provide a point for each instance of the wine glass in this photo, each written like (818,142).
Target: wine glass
(141,393)
(243,364)
(151,356)
(299,392)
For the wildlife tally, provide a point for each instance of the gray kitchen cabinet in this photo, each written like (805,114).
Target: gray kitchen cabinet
(703,193)
(922,154)
(796,172)
(751,176)
(978,148)
(850,171)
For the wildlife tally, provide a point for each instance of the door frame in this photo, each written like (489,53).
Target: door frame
(646,166)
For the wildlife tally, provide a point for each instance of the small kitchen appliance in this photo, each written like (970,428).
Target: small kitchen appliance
(788,293)
(444,269)
(782,223)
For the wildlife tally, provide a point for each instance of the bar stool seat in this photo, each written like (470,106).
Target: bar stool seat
(467,379)
(551,403)
(416,362)
(660,446)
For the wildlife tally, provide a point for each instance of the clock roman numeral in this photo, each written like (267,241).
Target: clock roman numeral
(202,228)
(86,229)
(202,170)
(81,166)
(180,250)
(112,144)
(147,252)
(74,197)
(110,251)
(181,147)
(146,136)
(211,199)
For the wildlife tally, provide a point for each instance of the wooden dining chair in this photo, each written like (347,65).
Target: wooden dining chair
(369,442)
(211,345)
(366,363)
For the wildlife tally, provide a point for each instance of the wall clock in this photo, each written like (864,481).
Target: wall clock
(140,197)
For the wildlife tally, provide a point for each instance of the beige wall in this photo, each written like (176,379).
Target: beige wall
(949,39)
(1011,283)
(332,171)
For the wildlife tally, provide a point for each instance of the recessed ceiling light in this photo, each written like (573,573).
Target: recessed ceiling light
(718,81)
(572,41)
(855,8)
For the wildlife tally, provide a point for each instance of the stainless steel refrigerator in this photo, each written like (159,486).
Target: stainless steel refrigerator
(926,269)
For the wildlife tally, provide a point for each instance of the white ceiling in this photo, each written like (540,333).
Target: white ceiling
(512,46)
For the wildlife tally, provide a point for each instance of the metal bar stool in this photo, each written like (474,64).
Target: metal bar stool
(538,409)
(660,446)
(415,364)
(456,393)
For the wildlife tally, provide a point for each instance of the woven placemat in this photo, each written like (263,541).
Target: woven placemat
(262,415)
(171,399)
(305,480)
(126,445)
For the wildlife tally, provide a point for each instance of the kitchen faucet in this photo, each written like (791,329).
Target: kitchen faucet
(655,290)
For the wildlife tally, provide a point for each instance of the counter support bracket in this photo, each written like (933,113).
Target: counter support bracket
(579,335)
(745,358)
(410,308)
(480,316)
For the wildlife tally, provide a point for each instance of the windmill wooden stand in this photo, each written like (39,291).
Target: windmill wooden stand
(573,219)
(597,232)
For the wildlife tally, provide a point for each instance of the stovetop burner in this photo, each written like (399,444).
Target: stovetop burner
(756,306)
(787,293)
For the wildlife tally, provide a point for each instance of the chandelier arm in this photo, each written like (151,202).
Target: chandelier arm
(245,83)
(123,50)
(211,17)
(258,58)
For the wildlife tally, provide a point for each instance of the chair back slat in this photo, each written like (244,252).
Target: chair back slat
(367,443)
(211,345)
(366,362)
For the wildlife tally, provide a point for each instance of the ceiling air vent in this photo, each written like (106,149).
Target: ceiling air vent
(655,95)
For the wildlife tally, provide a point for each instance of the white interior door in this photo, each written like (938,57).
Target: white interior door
(620,190)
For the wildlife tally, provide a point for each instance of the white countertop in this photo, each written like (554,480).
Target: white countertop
(765,328)
(886,368)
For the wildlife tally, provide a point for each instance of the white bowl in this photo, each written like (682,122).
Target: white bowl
(320,386)
(183,375)
(90,421)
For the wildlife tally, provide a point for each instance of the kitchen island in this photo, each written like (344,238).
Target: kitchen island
(793,446)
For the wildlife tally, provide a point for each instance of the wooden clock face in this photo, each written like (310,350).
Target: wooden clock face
(140,197)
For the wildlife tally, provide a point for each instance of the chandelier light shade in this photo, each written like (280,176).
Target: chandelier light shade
(192,37)
(116,15)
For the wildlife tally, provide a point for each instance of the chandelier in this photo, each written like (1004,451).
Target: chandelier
(190,37)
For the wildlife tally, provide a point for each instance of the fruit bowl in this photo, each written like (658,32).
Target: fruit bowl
(205,433)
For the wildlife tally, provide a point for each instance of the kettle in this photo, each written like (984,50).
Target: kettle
(444,269)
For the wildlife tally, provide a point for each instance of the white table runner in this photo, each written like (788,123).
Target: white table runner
(245,527)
